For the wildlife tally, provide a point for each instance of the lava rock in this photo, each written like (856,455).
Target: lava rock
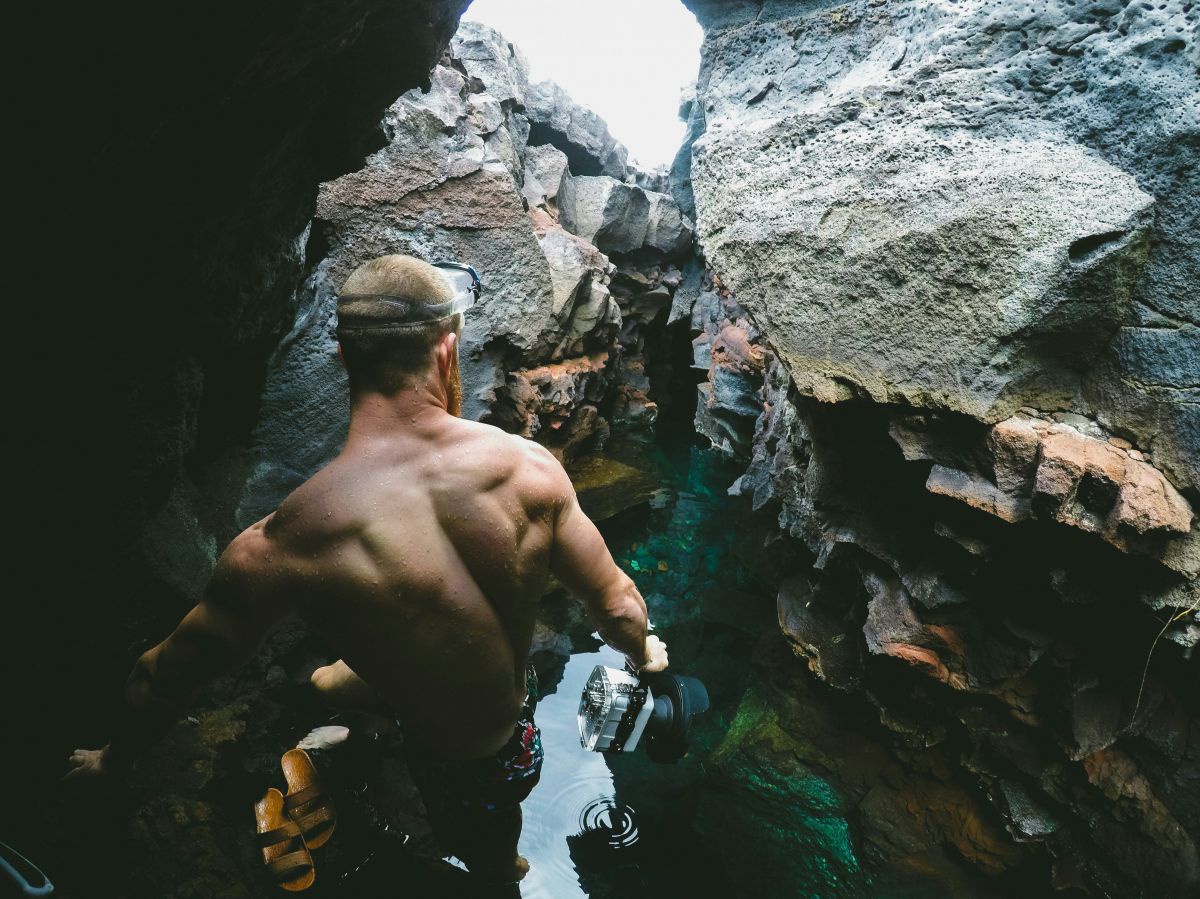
(963,210)
(574,129)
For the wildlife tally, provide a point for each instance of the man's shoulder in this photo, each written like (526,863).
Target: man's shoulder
(489,437)
(246,559)
(529,461)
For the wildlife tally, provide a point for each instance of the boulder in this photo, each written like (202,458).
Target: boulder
(975,209)
(545,169)
(611,214)
(576,130)
(668,230)
(864,241)
(620,217)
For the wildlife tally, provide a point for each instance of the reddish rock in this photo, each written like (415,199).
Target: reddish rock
(732,347)
(1147,502)
(1088,484)
(1055,472)
(556,398)
(1013,446)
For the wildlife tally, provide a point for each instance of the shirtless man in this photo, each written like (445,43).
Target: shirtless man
(420,554)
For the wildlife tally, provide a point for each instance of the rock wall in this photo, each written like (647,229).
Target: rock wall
(953,263)
(486,168)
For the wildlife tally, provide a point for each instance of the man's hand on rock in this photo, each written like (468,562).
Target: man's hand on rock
(656,656)
(91,763)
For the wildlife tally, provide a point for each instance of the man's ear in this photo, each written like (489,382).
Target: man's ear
(445,351)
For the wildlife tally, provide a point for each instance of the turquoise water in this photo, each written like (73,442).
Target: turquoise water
(728,819)
(753,809)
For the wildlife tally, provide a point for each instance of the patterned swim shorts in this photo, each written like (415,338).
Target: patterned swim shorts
(502,779)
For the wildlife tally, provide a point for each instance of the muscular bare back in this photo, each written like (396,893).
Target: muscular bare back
(420,554)
(420,557)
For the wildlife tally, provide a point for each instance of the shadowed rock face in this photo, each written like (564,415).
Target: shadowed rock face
(185,148)
(957,238)
(201,138)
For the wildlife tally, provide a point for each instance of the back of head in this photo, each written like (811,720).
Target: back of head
(381,353)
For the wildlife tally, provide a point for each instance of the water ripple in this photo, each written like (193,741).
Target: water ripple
(606,816)
(572,813)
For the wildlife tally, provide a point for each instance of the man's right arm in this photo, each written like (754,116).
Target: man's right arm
(582,563)
(220,634)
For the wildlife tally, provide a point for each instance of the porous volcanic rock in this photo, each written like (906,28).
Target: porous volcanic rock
(973,208)
(963,242)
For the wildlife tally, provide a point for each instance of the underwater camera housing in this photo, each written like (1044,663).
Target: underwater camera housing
(618,711)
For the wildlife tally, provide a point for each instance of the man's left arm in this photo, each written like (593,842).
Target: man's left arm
(223,631)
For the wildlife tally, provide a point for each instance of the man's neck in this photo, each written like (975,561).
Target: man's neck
(416,411)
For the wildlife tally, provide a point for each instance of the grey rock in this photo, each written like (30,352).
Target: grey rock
(978,492)
(1030,820)
(576,130)
(667,229)
(878,237)
(690,285)
(611,214)
(735,392)
(932,588)
(723,431)
(620,217)
(498,66)
(826,139)
(545,169)
(304,408)
(573,262)
(657,180)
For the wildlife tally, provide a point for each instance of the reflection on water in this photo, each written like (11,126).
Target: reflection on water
(576,795)
(601,826)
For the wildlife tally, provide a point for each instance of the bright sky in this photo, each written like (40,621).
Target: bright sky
(626,59)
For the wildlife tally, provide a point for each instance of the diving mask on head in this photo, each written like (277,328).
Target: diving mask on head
(368,311)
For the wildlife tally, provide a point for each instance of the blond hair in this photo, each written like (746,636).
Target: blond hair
(388,359)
